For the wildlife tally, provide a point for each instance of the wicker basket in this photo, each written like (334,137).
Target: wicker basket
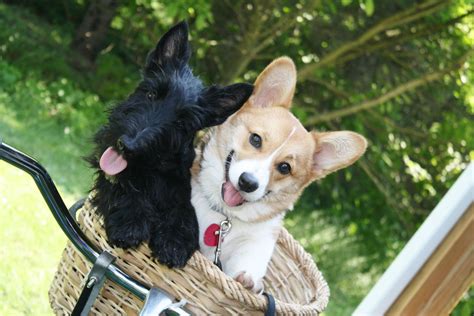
(292,278)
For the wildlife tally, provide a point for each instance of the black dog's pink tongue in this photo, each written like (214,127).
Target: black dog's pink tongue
(230,195)
(112,162)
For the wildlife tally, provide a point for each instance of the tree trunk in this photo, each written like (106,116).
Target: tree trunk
(90,35)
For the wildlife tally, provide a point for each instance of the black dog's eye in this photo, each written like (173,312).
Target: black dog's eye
(180,123)
(120,145)
(255,140)
(151,95)
(284,168)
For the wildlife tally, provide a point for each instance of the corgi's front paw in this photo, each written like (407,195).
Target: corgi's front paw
(248,282)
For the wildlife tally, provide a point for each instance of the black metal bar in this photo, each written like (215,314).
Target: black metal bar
(64,219)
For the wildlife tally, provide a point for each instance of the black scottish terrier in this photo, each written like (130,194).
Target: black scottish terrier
(144,153)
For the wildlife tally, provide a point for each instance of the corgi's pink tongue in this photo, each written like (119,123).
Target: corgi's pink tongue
(112,162)
(230,195)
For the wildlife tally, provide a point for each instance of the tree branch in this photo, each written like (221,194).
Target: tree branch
(405,87)
(413,13)
(332,88)
(382,44)
(401,129)
(261,39)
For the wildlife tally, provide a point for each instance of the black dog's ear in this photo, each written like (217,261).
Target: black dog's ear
(172,49)
(221,102)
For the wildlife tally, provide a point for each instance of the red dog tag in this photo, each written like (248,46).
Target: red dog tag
(210,236)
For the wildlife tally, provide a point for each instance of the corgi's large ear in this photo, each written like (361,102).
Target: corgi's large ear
(218,103)
(275,86)
(336,150)
(172,49)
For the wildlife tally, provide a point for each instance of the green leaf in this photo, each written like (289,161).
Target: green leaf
(346,2)
(369,7)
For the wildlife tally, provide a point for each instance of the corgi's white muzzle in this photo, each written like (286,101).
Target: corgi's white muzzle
(245,180)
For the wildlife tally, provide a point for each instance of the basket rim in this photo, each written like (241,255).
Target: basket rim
(229,286)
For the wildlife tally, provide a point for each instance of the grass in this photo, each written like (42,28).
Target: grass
(32,241)
(31,245)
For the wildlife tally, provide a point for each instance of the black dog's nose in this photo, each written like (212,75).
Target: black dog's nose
(247,182)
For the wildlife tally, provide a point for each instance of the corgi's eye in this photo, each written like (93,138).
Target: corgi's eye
(284,168)
(151,95)
(255,140)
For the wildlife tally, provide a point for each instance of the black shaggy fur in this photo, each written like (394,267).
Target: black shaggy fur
(153,130)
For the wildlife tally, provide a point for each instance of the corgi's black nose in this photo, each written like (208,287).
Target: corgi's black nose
(247,182)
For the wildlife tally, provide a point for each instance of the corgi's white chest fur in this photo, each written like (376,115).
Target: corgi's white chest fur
(248,246)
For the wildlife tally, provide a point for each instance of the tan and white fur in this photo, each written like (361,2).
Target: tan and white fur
(257,214)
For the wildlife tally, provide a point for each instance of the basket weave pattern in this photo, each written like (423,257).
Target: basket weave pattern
(292,278)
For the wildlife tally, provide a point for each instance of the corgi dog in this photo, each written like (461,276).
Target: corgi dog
(251,170)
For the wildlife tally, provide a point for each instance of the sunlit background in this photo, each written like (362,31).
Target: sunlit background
(399,72)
